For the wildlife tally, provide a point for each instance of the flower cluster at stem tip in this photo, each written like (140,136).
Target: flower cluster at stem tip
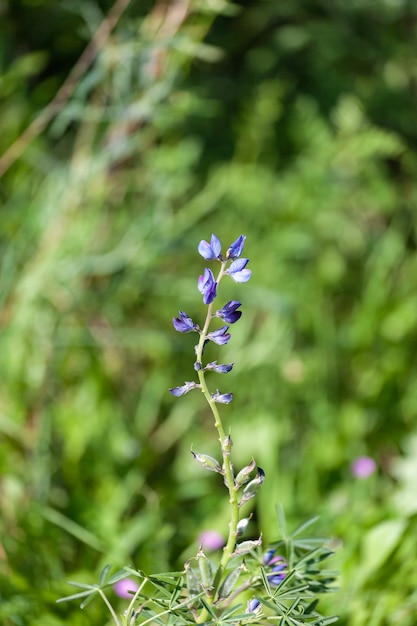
(231,264)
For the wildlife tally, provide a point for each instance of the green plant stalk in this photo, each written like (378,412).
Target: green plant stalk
(109,606)
(227,465)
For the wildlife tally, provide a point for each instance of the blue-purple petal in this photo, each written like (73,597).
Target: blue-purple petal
(253,605)
(229,312)
(207,286)
(223,398)
(210,250)
(238,272)
(219,369)
(238,265)
(236,248)
(183,389)
(219,336)
(268,556)
(183,323)
(221,340)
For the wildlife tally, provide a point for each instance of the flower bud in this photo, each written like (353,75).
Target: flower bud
(279,572)
(242,526)
(223,398)
(191,580)
(253,486)
(183,389)
(207,286)
(229,312)
(220,336)
(247,546)
(183,323)
(206,570)
(253,605)
(243,475)
(220,369)
(236,248)
(227,445)
(229,583)
(208,462)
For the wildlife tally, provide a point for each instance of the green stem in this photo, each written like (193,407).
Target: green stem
(109,606)
(227,465)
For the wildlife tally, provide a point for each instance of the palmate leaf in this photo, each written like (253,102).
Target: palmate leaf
(104,573)
(309,543)
(87,601)
(89,591)
(292,541)
(159,609)
(88,595)
(315,556)
(76,596)
(209,609)
(284,590)
(231,614)
(92,590)
(119,575)
(303,526)
(247,618)
(325,621)
(266,582)
(176,591)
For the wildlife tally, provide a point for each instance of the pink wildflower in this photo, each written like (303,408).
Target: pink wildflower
(125,588)
(363,466)
(210,540)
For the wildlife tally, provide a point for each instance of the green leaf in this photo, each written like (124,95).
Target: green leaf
(119,575)
(87,601)
(75,596)
(305,525)
(104,573)
(229,583)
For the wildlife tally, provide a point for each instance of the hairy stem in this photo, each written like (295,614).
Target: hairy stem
(227,465)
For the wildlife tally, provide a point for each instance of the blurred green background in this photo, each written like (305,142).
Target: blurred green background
(293,123)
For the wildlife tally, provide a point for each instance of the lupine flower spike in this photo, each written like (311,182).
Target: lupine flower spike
(233,585)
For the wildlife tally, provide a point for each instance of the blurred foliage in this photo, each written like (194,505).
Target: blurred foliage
(293,123)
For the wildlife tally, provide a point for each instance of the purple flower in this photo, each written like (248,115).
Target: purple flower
(184,323)
(363,466)
(223,398)
(220,369)
(207,286)
(211,540)
(219,336)
(278,576)
(253,605)
(278,573)
(238,272)
(268,556)
(210,250)
(180,391)
(236,248)
(125,588)
(229,312)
